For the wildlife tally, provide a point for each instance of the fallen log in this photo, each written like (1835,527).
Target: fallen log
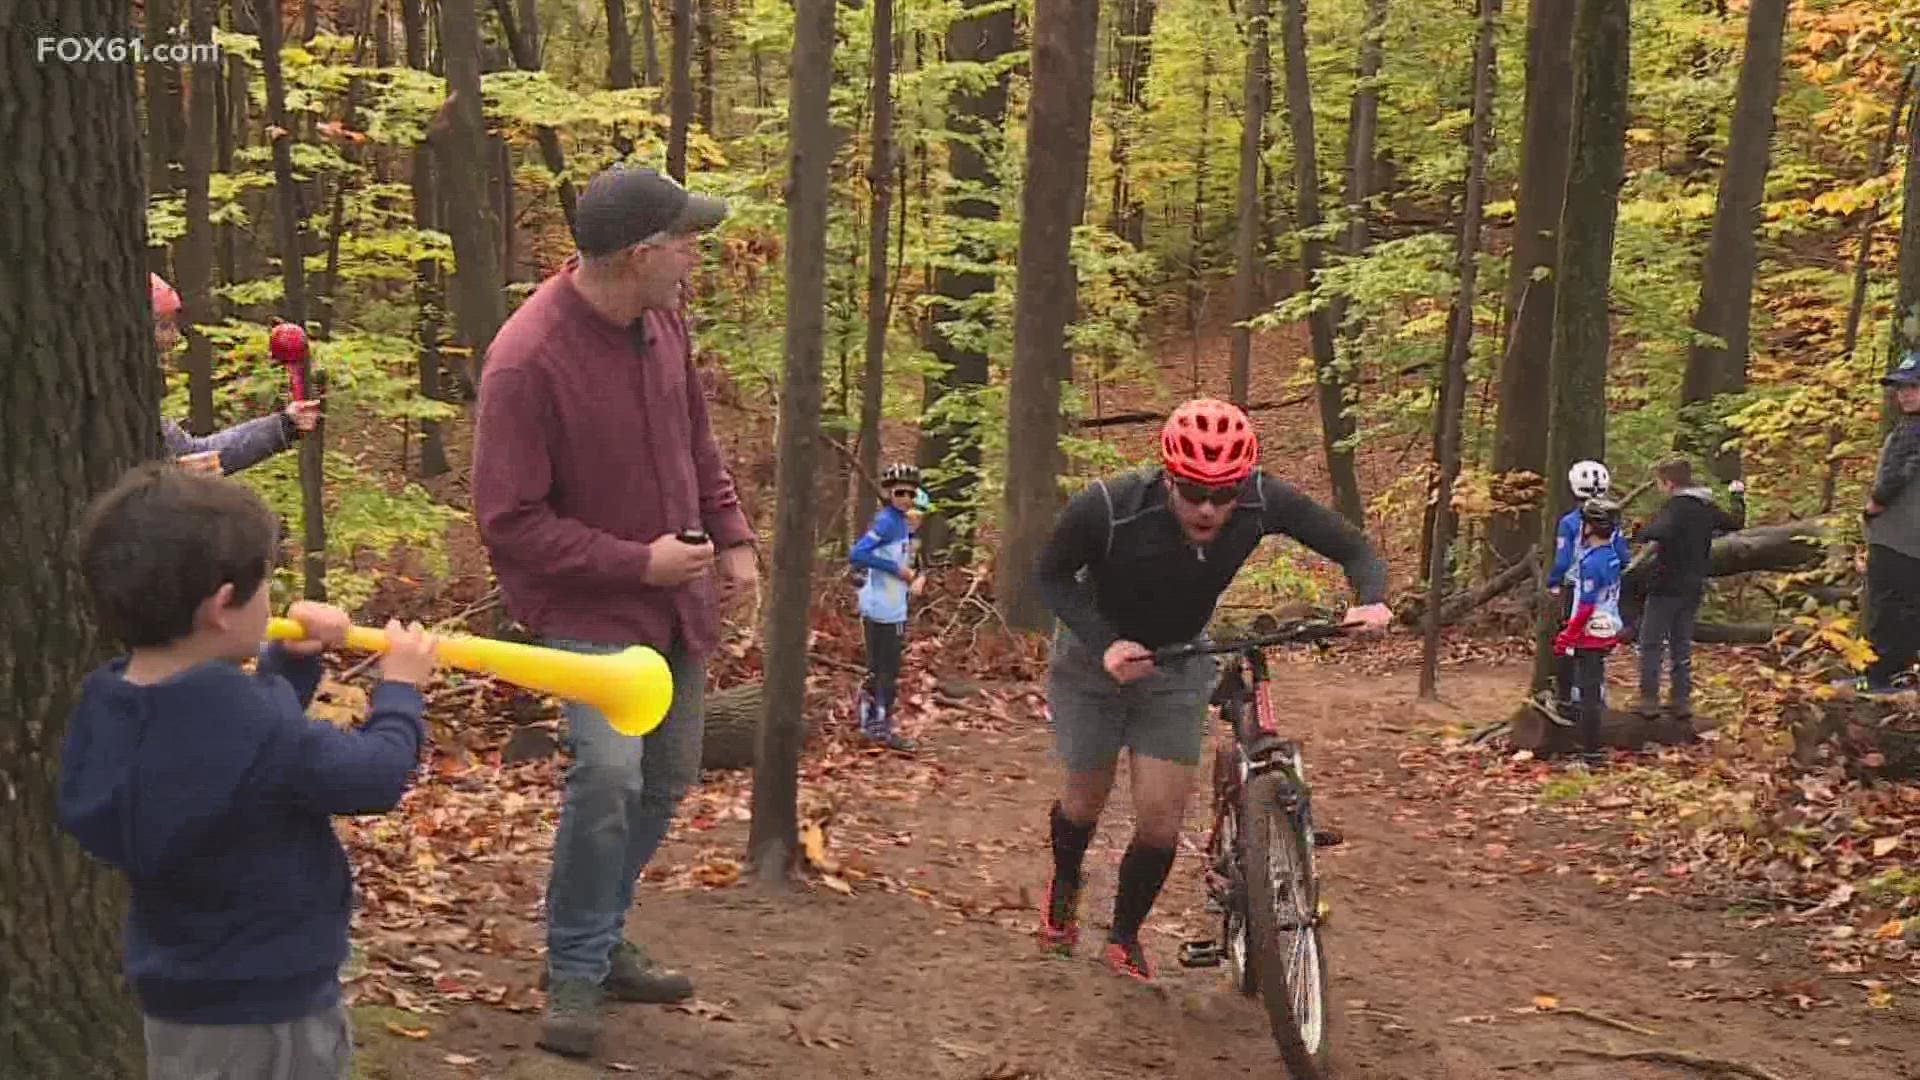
(1529,729)
(1766,547)
(732,727)
(1456,606)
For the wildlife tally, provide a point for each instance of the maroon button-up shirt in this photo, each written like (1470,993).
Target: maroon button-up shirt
(592,440)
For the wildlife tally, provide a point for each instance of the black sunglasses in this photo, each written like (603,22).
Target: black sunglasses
(902,493)
(1199,493)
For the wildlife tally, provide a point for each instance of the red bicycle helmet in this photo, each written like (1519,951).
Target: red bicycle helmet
(1208,441)
(166,302)
(287,343)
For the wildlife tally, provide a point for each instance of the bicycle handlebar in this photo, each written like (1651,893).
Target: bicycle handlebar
(1297,632)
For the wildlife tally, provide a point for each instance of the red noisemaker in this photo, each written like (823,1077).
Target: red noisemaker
(287,343)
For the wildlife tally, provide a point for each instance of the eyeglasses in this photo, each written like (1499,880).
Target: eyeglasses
(902,493)
(1203,493)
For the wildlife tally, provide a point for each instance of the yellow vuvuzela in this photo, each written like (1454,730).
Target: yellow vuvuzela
(632,687)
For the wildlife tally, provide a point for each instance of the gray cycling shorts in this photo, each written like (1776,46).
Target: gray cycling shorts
(1162,716)
(317,1047)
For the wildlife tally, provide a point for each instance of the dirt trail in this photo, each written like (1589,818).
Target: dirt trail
(1437,950)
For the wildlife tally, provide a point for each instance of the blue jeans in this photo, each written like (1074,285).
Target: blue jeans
(621,794)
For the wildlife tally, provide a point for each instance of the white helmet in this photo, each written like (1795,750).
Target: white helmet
(1588,479)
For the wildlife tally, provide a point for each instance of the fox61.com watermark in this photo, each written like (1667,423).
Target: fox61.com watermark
(123,50)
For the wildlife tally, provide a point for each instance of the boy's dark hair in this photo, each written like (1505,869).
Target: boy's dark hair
(162,540)
(1676,471)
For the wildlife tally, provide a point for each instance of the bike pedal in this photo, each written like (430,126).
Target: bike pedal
(1201,954)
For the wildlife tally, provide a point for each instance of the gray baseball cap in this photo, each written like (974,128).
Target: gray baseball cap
(623,206)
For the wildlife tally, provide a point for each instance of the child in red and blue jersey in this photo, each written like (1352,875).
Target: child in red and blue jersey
(1594,626)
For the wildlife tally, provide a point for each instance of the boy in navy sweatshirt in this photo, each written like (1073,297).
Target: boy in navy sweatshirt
(211,790)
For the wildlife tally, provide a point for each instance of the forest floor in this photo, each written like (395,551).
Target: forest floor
(1479,900)
(1466,895)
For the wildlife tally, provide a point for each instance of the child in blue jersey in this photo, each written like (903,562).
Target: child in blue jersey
(1594,626)
(885,551)
(1589,480)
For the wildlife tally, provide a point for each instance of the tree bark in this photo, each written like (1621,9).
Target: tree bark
(1335,425)
(1363,130)
(293,304)
(649,46)
(458,138)
(523,40)
(1520,439)
(975,117)
(1726,290)
(1059,130)
(166,128)
(703,27)
(195,257)
(1133,53)
(1247,225)
(619,46)
(78,163)
(773,835)
(1906,308)
(413,23)
(873,382)
(1576,424)
(1454,382)
(681,114)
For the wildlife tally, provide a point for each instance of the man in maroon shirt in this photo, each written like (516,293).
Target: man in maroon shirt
(592,453)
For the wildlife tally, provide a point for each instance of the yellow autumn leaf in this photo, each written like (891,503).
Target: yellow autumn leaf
(1879,998)
(411,1033)
(1890,929)
(1884,845)
(1545,1002)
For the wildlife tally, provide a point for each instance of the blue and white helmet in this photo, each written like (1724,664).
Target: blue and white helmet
(1588,479)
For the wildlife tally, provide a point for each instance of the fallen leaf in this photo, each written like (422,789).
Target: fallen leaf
(460,1059)
(411,1033)
(1884,846)
(1545,1002)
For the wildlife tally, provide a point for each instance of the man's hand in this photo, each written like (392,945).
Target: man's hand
(325,627)
(1127,661)
(1738,487)
(206,461)
(673,563)
(739,573)
(1371,617)
(1874,508)
(304,414)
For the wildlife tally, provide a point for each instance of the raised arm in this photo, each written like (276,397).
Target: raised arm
(1079,540)
(1292,512)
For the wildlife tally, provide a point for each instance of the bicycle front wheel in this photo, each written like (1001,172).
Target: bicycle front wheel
(1282,930)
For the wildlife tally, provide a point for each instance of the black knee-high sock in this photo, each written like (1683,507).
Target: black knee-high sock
(1143,870)
(1069,848)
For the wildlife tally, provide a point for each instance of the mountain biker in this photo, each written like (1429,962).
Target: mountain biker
(1588,480)
(1136,562)
(235,448)
(1593,627)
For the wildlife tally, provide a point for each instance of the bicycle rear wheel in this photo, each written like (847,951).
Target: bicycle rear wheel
(1283,938)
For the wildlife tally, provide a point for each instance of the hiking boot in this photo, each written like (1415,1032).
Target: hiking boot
(1128,960)
(892,740)
(635,977)
(571,1026)
(1060,919)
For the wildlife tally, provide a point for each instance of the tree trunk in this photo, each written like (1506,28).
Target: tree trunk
(682,106)
(703,27)
(873,382)
(949,442)
(1453,393)
(1335,425)
(773,836)
(1726,291)
(1520,439)
(523,39)
(1907,302)
(1134,51)
(1246,240)
(619,45)
(429,301)
(195,257)
(730,726)
(166,129)
(292,247)
(649,46)
(67,1011)
(1577,422)
(1862,263)
(413,22)
(1059,126)
(1363,130)
(458,138)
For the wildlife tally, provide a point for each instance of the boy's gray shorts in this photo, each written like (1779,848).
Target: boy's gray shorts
(1163,716)
(317,1047)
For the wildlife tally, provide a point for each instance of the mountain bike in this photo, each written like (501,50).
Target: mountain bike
(1260,874)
